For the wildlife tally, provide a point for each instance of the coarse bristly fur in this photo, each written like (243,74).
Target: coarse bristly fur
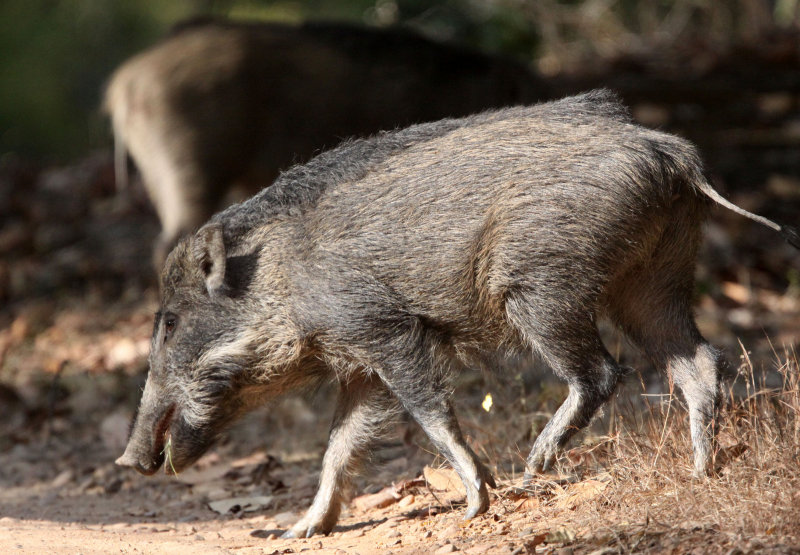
(389,263)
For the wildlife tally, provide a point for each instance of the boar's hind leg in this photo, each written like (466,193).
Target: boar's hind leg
(656,314)
(571,345)
(364,410)
(695,370)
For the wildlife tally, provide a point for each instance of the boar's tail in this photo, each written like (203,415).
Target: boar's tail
(120,161)
(790,233)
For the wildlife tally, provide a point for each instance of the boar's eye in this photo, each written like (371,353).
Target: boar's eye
(170,321)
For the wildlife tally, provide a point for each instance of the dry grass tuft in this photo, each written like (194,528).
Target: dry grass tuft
(756,490)
(630,489)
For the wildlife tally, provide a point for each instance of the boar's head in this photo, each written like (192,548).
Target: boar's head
(201,359)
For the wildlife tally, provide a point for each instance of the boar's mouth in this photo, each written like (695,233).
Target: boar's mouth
(145,453)
(160,433)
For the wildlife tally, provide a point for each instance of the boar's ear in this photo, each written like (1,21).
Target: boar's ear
(209,253)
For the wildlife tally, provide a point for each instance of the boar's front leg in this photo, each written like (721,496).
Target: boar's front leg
(364,410)
(415,374)
(440,424)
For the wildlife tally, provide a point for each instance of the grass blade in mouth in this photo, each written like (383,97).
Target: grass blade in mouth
(168,453)
(162,437)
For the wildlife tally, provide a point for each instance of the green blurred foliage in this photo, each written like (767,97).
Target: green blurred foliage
(484,25)
(55,55)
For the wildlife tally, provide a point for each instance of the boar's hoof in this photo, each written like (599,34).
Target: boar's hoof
(527,481)
(477,500)
(475,510)
(529,476)
(310,531)
(539,462)
(300,532)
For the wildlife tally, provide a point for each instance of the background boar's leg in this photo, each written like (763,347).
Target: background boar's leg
(364,410)
(183,198)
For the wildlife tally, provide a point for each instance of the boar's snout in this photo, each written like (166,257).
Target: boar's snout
(145,450)
(131,460)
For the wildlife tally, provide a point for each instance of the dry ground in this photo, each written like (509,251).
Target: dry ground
(624,487)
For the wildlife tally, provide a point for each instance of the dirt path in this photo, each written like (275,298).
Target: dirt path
(103,509)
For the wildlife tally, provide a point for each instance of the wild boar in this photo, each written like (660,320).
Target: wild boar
(389,264)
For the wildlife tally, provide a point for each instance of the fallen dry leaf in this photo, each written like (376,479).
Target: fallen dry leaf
(487,402)
(726,455)
(387,496)
(538,539)
(580,493)
(528,504)
(194,475)
(443,479)
(736,291)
